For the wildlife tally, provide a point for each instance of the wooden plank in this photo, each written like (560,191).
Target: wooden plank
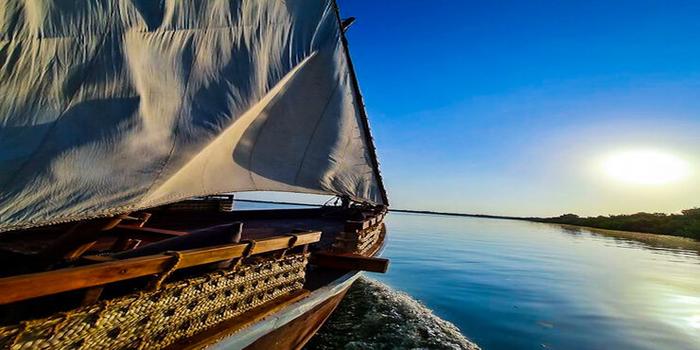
(138,221)
(92,295)
(269,244)
(350,262)
(354,225)
(148,232)
(127,232)
(97,258)
(365,245)
(79,251)
(124,243)
(76,241)
(226,328)
(363,239)
(369,235)
(34,285)
(321,314)
(378,245)
(296,333)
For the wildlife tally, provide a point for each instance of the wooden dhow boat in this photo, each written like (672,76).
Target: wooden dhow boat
(125,128)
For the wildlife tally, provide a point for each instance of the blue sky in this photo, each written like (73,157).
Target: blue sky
(506,107)
(501,106)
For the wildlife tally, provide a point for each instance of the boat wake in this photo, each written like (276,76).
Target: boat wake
(374,316)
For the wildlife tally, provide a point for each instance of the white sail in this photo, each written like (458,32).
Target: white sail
(116,105)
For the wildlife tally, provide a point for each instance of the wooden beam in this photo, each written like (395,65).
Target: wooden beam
(79,251)
(369,239)
(148,232)
(363,112)
(92,295)
(354,225)
(22,287)
(346,23)
(124,243)
(135,221)
(350,262)
(97,258)
(127,232)
(273,243)
(76,241)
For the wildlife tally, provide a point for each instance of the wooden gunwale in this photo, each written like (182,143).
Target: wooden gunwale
(23,287)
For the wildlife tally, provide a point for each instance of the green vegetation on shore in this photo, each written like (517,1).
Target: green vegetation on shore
(686,224)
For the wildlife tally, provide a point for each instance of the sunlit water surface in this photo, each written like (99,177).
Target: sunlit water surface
(520,285)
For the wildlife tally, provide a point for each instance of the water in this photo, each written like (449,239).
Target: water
(519,285)
(375,316)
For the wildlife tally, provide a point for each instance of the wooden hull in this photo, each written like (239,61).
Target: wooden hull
(295,334)
(292,327)
(275,310)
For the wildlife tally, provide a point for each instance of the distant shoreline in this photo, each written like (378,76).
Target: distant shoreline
(649,238)
(486,216)
(399,210)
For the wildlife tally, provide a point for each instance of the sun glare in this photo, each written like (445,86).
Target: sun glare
(645,167)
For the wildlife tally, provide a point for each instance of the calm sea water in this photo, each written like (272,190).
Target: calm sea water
(519,285)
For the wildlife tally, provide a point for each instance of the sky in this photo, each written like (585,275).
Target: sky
(513,107)
(507,107)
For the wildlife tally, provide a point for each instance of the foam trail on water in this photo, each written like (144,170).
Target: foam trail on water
(374,316)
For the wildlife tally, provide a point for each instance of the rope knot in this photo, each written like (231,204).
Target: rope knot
(177,259)
(292,242)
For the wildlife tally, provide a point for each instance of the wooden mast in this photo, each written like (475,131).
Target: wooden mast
(361,104)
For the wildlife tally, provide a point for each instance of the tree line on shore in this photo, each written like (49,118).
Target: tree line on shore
(685,224)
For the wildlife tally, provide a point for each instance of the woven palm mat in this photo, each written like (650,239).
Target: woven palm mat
(153,320)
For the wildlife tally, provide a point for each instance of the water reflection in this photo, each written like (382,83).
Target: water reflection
(572,230)
(521,285)
(677,245)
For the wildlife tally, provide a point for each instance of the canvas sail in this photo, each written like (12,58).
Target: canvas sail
(112,106)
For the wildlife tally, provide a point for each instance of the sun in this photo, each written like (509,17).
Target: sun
(645,167)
